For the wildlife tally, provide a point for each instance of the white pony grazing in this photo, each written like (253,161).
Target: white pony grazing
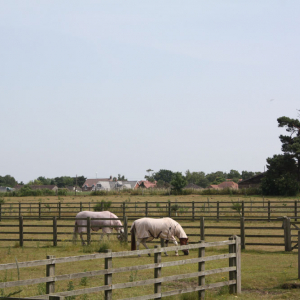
(98,224)
(147,229)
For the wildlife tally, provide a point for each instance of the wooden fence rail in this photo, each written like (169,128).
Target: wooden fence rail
(251,233)
(210,209)
(234,270)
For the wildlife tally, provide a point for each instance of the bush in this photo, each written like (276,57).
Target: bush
(103,205)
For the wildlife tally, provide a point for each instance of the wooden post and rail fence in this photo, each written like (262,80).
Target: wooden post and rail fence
(233,270)
(251,234)
(269,210)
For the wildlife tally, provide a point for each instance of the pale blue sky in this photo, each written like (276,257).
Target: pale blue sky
(118,87)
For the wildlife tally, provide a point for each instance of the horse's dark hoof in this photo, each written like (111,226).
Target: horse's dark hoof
(149,254)
(166,254)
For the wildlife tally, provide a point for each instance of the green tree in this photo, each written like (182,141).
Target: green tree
(35,182)
(44,181)
(121,178)
(149,177)
(178,182)
(291,142)
(164,175)
(234,175)
(281,176)
(216,177)
(197,178)
(80,180)
(8,181)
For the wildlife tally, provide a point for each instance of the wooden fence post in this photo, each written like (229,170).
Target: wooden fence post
(157,271)
(243,244)
(39,210)
(238,265)
(296,210)
(21,235)
(59,210)
(80,206)
(169,209)
(193,211)
(50,272)
(0,212)
(102,205)
(124,209)
(218,211)
(232,263)
(287,234)
(56,297)
(269,211)
(54,232)
(298,254)
(201,268)
(162,243)
(88,230)
(146,209)
(20,209)
(202,229)
(108,277)
(125,229)
(243,209)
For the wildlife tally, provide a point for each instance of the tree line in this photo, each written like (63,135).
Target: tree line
(165,177)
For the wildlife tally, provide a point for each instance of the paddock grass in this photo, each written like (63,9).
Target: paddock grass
(265,269)
(263,272)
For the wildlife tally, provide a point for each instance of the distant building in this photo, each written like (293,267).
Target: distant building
(253,182)
(115,185)
(147,184)
(228,184)
(90,184)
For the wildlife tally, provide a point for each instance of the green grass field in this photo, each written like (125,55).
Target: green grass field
(264,269)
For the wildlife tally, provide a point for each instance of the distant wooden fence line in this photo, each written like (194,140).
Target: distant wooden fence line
(234,270)
(218,210)
(201,231)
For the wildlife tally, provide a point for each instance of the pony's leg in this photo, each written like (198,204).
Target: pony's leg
(145,245)
(166,245)
(101,236)
(176,244)
(138,245)
(74,238)
(82,241)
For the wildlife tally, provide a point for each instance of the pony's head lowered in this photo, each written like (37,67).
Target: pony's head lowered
(184,241)
(121,234)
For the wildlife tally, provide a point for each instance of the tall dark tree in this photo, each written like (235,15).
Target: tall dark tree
(291,142)
(283,174)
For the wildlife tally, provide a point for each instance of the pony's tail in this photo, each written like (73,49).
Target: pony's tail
(133,242)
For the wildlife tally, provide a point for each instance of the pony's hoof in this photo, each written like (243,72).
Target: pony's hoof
(149,254)
(166,254)
(176,254)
